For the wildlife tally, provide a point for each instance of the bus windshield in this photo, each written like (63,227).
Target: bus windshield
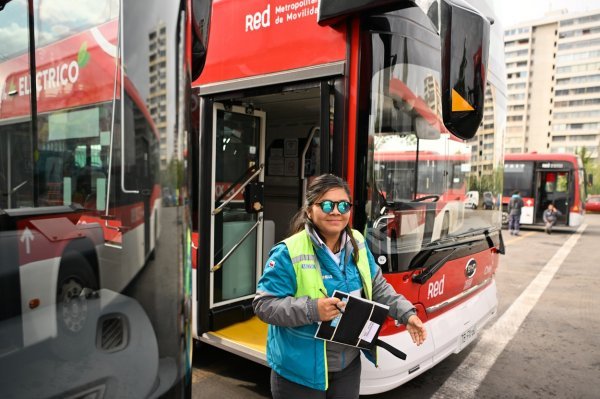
(518,176)
(420,173)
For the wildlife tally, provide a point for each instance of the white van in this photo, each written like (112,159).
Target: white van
(472,199)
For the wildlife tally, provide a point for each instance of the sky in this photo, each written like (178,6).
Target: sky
(511,12)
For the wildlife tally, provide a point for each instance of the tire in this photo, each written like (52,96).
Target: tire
(74,276)
(75,319)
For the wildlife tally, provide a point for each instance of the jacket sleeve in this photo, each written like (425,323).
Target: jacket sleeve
(274,302)
(400,308)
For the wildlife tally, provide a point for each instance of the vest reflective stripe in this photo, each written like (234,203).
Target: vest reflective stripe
(308,273)
(303,257)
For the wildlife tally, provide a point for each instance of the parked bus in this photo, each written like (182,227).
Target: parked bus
(94,110)
(294,89)
(544,179)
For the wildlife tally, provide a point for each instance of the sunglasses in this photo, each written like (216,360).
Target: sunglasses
(342,206)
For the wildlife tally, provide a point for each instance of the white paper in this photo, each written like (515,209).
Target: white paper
(368,332)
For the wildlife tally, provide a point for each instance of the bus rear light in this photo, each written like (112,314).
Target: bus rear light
(34,303)
(575,209)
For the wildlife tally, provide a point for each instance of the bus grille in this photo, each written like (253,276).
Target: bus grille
(112,334)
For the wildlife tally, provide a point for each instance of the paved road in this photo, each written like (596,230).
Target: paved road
(545,342)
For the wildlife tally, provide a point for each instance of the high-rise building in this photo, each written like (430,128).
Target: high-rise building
(157,99)
(487,143)
(553,71)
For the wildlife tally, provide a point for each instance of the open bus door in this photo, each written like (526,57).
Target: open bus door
(236,218)
(553,187)
(245,207)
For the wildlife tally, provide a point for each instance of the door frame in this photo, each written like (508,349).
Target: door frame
(216,106)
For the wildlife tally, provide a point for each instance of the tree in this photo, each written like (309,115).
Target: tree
(592,168)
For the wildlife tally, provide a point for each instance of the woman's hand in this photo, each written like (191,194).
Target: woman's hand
(416,329)
(329,308)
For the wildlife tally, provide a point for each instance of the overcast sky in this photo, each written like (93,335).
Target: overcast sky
(512,12)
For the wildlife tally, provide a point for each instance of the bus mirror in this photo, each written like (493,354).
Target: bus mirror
(201,10)
(465,36)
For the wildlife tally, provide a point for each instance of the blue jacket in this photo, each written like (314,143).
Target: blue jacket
(292,350)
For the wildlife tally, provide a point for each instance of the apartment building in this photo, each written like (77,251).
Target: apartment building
(157,99)
(553,71)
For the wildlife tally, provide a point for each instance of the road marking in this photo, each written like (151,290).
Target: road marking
(520,237)
(466,379)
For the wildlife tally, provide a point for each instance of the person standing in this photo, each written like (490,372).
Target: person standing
(514,213)
(550,216)
(294,294)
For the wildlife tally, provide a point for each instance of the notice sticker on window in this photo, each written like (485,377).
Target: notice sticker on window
(368,332)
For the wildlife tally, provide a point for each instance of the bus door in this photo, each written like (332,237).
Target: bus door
(236,216)
(553,188)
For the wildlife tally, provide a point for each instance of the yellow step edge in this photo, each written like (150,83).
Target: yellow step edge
(250,333)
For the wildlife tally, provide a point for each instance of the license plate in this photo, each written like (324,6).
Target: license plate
(466,337)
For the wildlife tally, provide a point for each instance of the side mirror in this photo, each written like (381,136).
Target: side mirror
(465,36)
(200,18)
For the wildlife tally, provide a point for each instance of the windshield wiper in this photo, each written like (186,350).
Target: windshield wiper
(450,246)
(431,270)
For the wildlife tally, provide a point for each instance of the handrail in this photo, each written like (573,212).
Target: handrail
(236,246)
(228,200)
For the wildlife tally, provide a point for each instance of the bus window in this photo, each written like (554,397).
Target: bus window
(518,177)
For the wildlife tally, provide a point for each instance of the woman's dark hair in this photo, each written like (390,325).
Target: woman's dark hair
(317,188)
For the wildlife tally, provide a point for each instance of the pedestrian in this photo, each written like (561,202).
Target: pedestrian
(322,254)
(550,215)
(514,213)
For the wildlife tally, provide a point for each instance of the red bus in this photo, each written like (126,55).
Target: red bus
(94,115)
(294,89)
(544,179)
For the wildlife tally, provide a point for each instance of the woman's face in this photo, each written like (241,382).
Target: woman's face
(331,224)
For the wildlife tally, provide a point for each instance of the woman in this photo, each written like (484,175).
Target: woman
(322,255)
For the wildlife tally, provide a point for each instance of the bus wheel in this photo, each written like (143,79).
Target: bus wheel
(74,277)
(504,217)
(75,318)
